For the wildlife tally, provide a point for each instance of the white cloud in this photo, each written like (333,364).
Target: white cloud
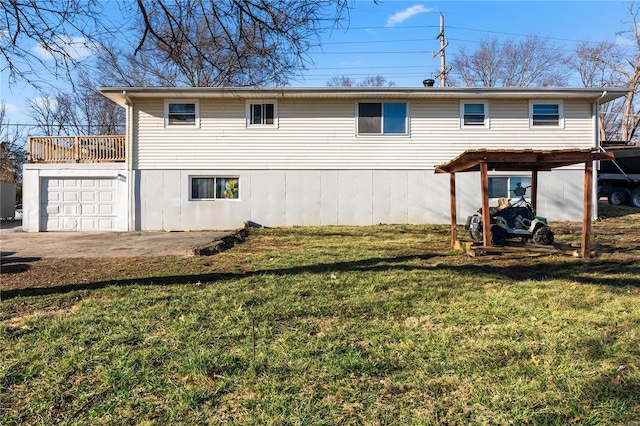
(403,15)
(10,108)
(349,63)
(622,41)
(43,102)
(76,47)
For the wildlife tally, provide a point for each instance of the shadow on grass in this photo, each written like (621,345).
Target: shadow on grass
(13,265)
(605,273)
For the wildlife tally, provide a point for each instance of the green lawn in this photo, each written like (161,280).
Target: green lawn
(332,325)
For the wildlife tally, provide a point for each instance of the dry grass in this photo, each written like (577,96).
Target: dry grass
(332,325)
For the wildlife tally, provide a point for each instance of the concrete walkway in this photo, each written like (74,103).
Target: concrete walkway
(15,242)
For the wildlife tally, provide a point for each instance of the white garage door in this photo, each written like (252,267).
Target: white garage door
(78,204)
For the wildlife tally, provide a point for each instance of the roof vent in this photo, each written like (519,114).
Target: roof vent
(428,82)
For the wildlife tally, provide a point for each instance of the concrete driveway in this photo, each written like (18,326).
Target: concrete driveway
(15,242)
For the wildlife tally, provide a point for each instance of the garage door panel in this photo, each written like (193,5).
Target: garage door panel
(90,209)
(70,209)
(69,196)
(106,196)
(77,204)
(106,210)
(88,196)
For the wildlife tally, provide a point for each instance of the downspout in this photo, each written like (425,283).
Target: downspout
(129,142)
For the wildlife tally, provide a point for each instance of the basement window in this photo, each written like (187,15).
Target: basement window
(507,186)
(215,188)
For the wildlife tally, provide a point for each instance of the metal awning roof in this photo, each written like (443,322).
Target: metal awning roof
(520,160)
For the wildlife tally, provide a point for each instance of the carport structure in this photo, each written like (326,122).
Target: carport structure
(534,161)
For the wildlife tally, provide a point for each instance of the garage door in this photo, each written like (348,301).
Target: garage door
(78,204)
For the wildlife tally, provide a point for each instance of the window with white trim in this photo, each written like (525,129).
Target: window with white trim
(508,186)
(382,118)
(215,188)
(181,113)
(546,114)
(262,114)
(474,114)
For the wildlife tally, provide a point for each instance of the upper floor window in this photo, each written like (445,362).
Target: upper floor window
(377,118)
(263,113)
(183,113)
(474,114)
(546,114)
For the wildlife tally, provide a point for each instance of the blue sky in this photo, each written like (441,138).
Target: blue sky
(396,39)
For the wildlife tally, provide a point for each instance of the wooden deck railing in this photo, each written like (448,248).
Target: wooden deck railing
(77,149)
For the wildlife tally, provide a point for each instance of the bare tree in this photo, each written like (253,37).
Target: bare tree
(630,71)
(62,30)
(607,64)
(368,81)
(12,151)
(199,43)
(82,111)
(594,64)
(52,114)
(534,61)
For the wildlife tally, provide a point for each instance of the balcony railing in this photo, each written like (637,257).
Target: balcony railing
(77,149)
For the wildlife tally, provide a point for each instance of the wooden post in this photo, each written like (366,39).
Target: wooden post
(452,200)
(534,189)
(486,217)
(588,209)
(76,149)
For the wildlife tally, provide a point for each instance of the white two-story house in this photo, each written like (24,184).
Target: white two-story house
(217,158)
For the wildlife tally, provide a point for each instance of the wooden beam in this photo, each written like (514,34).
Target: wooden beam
(452,201)
(588,209)
(486,217)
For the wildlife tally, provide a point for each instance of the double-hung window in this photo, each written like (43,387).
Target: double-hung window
(546,114)
(262,114)
(215,188)
(474,114)
(181,113)
(382,118)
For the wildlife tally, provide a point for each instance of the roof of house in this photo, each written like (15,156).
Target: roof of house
(520,159)
(123,95)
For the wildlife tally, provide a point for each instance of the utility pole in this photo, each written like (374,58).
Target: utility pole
(443,44)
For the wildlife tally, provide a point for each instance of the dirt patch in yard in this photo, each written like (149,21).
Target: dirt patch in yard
(616,234)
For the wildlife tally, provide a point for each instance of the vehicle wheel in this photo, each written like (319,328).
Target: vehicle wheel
(476,232)
(635,197)
(498,235)
(542,235)
(618,196)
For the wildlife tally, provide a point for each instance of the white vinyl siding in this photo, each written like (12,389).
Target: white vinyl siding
(318,134)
